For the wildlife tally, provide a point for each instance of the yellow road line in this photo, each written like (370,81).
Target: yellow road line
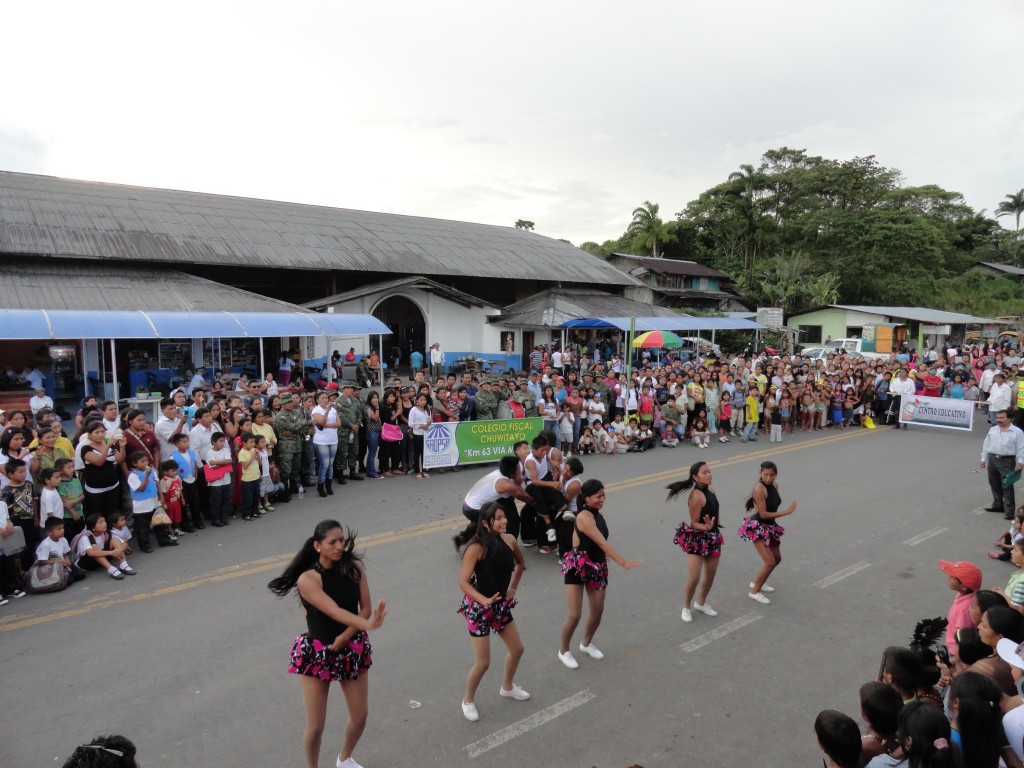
(274,562)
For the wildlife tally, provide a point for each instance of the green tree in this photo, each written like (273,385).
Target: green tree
(647,229)
(524,224)
(1013,205)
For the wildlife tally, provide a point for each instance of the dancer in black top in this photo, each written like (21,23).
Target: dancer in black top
(332,587)
(699,537)
(762,529)
(586,565)
(492,566)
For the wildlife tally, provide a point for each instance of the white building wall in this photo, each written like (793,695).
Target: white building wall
(458,328)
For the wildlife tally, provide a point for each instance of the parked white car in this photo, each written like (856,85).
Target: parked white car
(822,353)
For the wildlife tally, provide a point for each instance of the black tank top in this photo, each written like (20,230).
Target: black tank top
(494,572)
(710,508)
(772,502)
(587,544)
(343,591)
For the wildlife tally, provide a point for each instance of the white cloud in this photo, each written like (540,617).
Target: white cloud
(569,114)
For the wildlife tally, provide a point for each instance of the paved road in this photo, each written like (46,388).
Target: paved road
(188,658)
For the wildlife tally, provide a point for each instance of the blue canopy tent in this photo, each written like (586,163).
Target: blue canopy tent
(22,324)
(631,325)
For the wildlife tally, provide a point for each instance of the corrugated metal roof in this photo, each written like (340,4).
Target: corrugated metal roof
(420,282)
(920,314)
(555,306)
(671,266)
(58,284)
(1007,268)
(48,216)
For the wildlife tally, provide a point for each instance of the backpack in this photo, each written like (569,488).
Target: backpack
(75,557)
(47,576)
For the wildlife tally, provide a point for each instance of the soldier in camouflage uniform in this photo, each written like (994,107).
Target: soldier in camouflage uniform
(525,398)
(290,426)
(350,416)
(486,401)
(308,457)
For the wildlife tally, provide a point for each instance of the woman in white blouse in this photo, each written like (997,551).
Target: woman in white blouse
(419,420)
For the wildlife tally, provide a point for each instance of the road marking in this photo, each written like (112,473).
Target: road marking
(221,574)
(535,720)
(718,634)
(273,562)
(915,540)
(979,511)
(828,581)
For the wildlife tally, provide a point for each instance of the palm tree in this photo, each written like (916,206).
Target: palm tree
(1013,205)
(745,183)
(647,228)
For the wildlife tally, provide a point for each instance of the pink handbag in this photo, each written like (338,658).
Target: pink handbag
(390,433)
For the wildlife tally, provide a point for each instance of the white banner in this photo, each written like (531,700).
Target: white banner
(942,412)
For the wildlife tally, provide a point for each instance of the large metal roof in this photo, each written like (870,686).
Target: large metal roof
(76,285)
(920,314)
(555,306)
(413,281)
(53,217)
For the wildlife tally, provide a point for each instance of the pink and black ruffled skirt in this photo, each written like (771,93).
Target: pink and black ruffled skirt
(769,533)
(481,620)
(580,569)
(694,542)
(313,658)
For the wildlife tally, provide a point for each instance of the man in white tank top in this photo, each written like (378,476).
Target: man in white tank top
(501,486)
(546,494)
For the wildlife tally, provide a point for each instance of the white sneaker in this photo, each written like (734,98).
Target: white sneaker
(764,588)
(516,693)
(350,763)
(758,597)
(591,651)
(552,536)
(686,615)
(568,659)
(469,710)
(706,609)
(722,440)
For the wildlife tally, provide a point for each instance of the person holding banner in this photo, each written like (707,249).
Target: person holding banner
(1003,453)
(899,388)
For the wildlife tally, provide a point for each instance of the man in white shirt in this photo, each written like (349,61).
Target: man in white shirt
(171,422)
(32,376)
(39,400)
(199,380)
(437,367)
(985,382)
(901,387)
(556,360)
(999,397)
(1002,453)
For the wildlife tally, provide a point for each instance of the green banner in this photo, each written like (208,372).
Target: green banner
(475,442)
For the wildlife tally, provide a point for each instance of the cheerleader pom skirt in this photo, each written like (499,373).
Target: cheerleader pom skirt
(578,568)
(694,542)
(481,620)
(769,533)
(312,658)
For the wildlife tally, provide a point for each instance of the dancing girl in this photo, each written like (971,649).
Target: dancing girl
(762,529)
(331,582)
(492,566)
(699,537)
(586,567)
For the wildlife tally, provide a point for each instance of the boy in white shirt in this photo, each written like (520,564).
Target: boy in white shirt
(220,490)
(10,576)
(605,442)
(55,547)
(50,502)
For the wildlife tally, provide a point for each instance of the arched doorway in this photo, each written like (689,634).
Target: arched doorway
(408,329)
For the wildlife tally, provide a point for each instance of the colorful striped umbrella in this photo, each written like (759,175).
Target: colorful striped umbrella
(657,339)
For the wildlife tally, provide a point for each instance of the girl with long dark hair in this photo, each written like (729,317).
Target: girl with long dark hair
(492,566)
(762,530)
(978,731)
(329,577)
(699,537)
(586,567)
(925,738)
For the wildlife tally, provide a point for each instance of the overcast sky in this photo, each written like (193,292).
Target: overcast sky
(569,114)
